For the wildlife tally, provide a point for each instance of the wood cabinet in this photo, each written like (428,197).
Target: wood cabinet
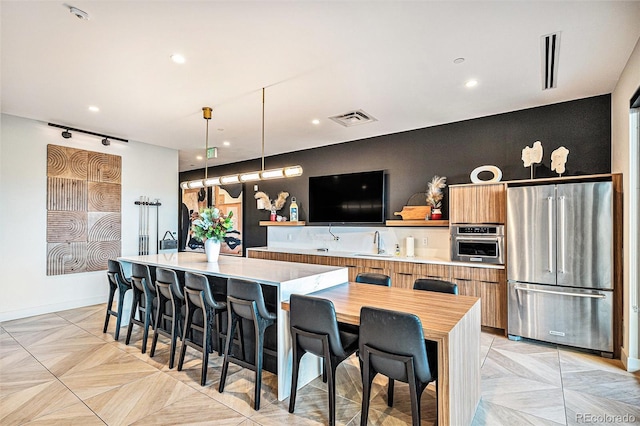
(490,286)
(486,283)
(478,203)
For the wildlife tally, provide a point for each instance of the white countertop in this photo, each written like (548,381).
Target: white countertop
(264,271)
(436,261)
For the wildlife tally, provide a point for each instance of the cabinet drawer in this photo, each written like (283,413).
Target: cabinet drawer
(427,270)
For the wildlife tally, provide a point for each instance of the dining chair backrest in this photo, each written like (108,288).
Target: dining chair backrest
(116,274)
(373,278)
(439,286)
(315,315)
(397,333)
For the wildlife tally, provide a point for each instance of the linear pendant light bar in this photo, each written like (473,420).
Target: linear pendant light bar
(282,172)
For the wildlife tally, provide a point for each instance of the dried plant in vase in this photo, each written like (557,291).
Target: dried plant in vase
(434,195)
(265,203)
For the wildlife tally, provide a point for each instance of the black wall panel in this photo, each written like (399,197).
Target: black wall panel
(410,159)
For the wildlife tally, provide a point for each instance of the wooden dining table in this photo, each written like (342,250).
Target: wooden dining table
(450,320)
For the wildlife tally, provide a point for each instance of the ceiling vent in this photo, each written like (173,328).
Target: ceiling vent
(550,48)
(353,118)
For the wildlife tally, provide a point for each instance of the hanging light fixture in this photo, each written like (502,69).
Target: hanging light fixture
(262,174)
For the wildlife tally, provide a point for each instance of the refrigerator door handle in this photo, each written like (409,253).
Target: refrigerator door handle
(550,251)
(561,235)
(589,295)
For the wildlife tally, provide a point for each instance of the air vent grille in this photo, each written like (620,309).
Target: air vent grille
(550,54)
(353,118)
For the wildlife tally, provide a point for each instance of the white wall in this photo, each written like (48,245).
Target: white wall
(624,157)
(25,289)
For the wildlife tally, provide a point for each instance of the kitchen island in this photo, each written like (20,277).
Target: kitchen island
(286,277)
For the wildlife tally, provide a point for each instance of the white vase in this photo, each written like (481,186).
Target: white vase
(212,249)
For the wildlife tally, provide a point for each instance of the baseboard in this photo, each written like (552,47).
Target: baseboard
(630,364)
(47,309)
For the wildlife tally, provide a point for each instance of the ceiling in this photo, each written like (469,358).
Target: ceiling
(394,60)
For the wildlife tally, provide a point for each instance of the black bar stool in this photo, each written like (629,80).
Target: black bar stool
(438,286)
(117,281)
(144,299)
(373,278)
(199,298)
(246,301)
(169,311)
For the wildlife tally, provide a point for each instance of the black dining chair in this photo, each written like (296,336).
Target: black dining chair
(314,329)
(245,300)
(169,311)
(200,303)
(373,278)
(117,281)
(392,343)
(143,302)
(439,286)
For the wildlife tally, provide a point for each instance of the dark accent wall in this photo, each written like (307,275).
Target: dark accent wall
(410,159)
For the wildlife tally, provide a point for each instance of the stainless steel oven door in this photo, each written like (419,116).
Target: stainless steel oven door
(478,249)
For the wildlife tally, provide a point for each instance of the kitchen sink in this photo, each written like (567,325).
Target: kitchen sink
(373,254)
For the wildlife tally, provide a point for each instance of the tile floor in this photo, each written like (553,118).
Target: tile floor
(61,369)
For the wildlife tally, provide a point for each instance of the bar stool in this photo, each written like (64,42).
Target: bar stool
(392,343)
(117,281)
(144,299)
(314,329)
(169,310)
(198,297)
(246,301)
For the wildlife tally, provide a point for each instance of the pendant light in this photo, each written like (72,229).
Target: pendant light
(262,174)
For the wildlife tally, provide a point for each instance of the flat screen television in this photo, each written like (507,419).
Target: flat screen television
(347,198)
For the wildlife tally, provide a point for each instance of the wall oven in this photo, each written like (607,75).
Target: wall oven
(478,243)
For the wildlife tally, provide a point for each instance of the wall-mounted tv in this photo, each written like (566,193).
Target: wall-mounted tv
(347,198)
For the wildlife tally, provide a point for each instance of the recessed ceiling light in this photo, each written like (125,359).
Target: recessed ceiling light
(199,157)
(94,108)
(178,58)
(458,60)
(226,143)
(316,121)
(471,83)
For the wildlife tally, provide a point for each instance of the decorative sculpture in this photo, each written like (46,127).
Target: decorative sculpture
(559,159)
(532,155)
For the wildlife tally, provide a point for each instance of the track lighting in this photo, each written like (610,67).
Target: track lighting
(67,134)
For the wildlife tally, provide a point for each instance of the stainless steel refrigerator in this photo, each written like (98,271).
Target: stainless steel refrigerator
(560,263)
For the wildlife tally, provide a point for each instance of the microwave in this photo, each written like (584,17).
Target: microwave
(478,243)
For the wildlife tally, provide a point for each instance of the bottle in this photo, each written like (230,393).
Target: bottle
(293,210)
(397,249)
(272,218)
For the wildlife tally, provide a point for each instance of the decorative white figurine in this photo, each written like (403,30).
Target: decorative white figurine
(532,155)
(559,159)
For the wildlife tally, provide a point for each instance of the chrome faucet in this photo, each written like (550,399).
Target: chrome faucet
(377,241)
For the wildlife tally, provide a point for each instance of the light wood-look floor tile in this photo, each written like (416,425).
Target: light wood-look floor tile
(32,402)
(138,399)
(62,369)
(77,414)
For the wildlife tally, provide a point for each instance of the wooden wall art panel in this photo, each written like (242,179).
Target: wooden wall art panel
(83,210)
(66,194)
(66,258)
(104,197)
(64,226)
(66,162)
(104,168)
(104,226)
